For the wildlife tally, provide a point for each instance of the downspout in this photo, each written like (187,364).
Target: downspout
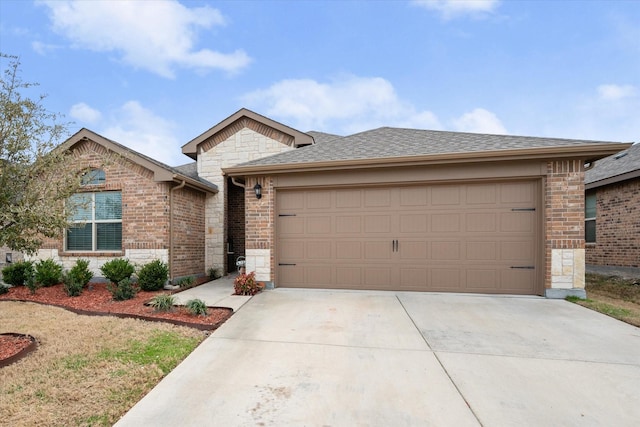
(182,184)
(236,183)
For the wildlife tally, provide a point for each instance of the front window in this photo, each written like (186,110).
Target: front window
(97,222)
(590,218)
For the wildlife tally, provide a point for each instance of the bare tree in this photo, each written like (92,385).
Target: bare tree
(35,179)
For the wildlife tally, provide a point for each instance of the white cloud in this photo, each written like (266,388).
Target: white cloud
(613,92)
(85,113)
(347,104)
(141,130)
(43,48)
(479,121)
(453,8)
(157,36)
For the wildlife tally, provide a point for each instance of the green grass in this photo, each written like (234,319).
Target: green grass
(163,349)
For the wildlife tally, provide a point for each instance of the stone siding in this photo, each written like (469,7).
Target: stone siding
(241,145)
(617,225)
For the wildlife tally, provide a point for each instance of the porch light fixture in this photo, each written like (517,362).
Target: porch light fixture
(258,189)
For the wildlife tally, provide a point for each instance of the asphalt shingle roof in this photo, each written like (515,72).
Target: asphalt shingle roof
(387,142)
(322,137)
(620,163)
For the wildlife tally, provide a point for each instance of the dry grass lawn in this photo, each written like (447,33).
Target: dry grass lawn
(87,370)
(613,296)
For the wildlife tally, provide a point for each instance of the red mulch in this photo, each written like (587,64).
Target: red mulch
(10,345)
(97,300)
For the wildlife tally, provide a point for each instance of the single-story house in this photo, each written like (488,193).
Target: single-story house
(612,210)
(132,206)
(389,208)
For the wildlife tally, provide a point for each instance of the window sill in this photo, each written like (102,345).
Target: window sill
(92,254)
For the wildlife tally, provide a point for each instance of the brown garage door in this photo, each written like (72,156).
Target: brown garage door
(473,237)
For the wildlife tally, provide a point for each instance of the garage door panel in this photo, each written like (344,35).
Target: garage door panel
(349,250)
(317,250)
(414,223)
(348,224)
(441,237)
(376,224)
(486,251)
(318,225)
(445,223)
(517,222)
(481,222)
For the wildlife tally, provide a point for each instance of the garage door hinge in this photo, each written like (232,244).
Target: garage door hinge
(525,267)
(523,209)
(284,263)
(287,215)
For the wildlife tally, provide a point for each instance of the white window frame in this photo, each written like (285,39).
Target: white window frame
(93,221)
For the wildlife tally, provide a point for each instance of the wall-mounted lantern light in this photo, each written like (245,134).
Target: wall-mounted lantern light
(258,189)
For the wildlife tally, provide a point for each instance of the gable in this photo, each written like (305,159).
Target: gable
(246,119)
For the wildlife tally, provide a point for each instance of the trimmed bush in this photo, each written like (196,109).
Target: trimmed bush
(48,272)
(215,273)
(18,273)
(245,284)
(3,288)
(163,302)
(80,272)
(197,307)
(72,286)
(153,276)
(117,270)
(125,289)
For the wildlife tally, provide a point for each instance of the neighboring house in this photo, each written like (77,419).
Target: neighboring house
(612,210)
(133,207)
(395,209)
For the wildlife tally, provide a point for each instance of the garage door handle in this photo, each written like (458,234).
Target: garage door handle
(525,267)
(287,215)
(284,263)
(394,246)
(523,209)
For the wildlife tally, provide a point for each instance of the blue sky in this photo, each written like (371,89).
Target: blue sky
(155,74)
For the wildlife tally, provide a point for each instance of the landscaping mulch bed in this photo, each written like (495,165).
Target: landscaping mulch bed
(97,300)
(14,346)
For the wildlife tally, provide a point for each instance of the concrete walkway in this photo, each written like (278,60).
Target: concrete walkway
(343,358)
(218,293)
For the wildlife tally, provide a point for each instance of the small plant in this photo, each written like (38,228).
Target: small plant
(125,289)
(245,284)
(117,270)
(32,284)
(18,273)
(72,286)
(152,276)
(3,288)
(197,307)
(185,282)
(48,272)
(80,271)
(214,273)
(163,302)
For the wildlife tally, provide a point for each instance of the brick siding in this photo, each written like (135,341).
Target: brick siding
(617,225)
(188,232)
(260,220)
(564,210)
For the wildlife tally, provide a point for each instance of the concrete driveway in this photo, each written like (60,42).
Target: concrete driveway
(341,358)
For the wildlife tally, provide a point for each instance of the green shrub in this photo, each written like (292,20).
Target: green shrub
(197,307)
(18,273)
(3,288)
(153,276)
(163,302)
(48,272)
(185,282)
(32,284)
(125,289)
(117,270)
(215,273)
(76,279)
(245,284)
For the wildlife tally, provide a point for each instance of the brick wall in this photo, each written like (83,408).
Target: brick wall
(188,233)
(235,219)
(617,225)
(564,224)
(145,216)
(260,229)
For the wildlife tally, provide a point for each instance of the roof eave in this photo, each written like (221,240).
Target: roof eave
(613,179)
(191,148)
(588,153)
